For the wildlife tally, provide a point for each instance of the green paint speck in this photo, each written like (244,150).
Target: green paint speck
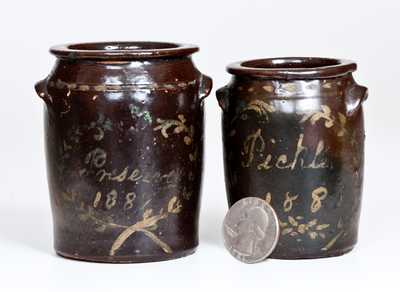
(135,111)
(147,117)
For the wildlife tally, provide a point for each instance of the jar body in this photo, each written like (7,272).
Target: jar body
(299,144)
(124,142)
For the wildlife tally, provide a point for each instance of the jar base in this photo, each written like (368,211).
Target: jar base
(329,254)
(127,259)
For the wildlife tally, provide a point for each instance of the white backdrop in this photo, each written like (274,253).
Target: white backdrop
(226,31)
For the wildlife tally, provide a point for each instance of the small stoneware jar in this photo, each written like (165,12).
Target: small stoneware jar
(294,136)
(124,143)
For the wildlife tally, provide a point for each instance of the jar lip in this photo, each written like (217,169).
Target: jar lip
(293,67)
(124,50)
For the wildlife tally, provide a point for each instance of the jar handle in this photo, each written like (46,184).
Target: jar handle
(41,90)
(222,97)
(354,98)
(205,86)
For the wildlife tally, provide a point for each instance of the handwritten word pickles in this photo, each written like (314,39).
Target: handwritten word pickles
(255,143)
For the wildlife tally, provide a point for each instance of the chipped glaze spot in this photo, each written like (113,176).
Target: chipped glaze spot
(268,88)
(327,85)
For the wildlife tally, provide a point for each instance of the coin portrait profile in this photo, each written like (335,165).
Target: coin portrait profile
(250,230)
(253,222)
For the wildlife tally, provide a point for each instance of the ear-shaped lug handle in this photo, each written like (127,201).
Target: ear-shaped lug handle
(354,98)
(205,86)
(222,97)
(41,90)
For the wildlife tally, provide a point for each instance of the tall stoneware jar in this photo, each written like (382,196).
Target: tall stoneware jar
(294,136)
(124,142)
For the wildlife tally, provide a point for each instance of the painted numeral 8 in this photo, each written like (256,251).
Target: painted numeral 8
(129,198)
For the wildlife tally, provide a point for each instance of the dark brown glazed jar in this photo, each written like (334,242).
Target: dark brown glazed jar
(124,143)
(294,135)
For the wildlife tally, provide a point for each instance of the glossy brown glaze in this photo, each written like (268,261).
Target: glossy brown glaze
(294,136)
(124,143)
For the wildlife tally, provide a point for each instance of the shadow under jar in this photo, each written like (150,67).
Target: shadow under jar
(294,136)
(124,143)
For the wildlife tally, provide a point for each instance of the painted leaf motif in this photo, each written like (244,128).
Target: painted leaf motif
(287,231)
(302,228)
(313,234)
(260,107)
(292,221)
(147,213)
(282,224)
(268,198)
(312,223)
(174,205)
(322,227)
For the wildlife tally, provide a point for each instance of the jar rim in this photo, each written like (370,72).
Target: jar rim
(122,50)
(293,67)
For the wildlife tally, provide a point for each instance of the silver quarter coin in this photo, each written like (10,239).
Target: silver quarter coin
(251,230)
